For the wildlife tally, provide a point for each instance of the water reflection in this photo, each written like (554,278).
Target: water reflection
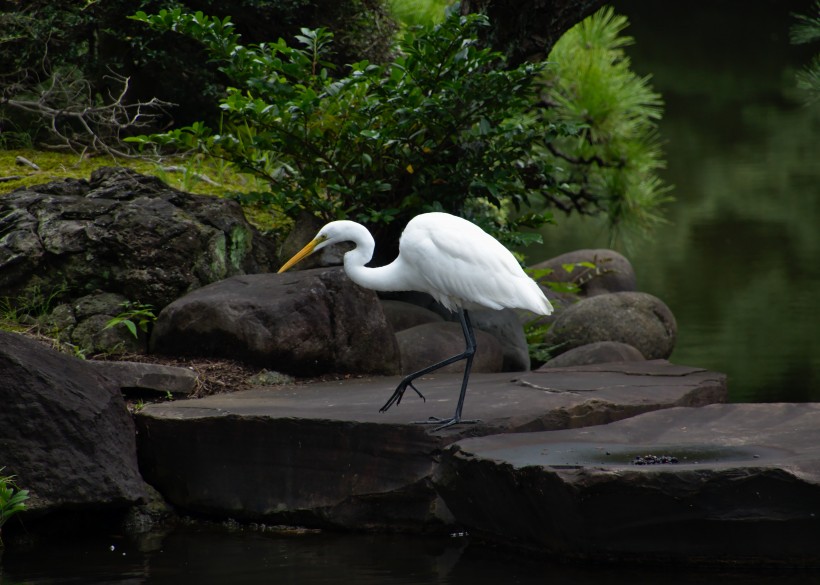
(203,556)
(738,262)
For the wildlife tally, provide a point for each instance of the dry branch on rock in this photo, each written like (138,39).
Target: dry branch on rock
(78,122)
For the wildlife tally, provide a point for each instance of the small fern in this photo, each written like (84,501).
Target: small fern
(12,499)
(135,315)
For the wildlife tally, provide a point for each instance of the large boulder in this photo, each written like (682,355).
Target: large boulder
(121,233)
(66,435)
(635,318)
(504,329)
(408,309)
(402,315)
(424,345)
(305,323)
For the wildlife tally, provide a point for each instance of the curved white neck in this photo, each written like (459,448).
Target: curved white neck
(383,278)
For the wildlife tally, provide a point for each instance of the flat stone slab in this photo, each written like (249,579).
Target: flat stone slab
(152,378)
(745,487)
(322,454)
(521,401)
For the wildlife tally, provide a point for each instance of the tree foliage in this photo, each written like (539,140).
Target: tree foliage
(805,31)
(609,162)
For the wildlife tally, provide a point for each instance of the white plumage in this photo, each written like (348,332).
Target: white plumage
(453,260)
(460,265)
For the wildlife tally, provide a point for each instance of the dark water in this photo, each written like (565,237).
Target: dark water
(738,262)
(205,556)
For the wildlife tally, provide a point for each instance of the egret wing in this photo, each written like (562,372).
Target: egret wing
(461,265)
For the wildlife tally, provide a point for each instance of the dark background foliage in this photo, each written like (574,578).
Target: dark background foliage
(41,37)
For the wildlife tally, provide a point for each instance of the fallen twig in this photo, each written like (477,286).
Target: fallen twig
(202,177)
(21,160)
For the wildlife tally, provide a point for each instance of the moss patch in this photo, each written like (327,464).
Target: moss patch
(194,175)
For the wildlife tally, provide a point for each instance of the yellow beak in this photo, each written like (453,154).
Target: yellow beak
(300,255)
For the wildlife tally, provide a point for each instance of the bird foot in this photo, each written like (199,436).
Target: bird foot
(399,393)
(446,422)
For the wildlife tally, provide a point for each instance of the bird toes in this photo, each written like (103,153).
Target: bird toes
(444,423)
(399,394)
(416,391)
(394,399)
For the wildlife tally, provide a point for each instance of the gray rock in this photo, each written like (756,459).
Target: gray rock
(97,303)
(65,434)
(322,454)
(637,319)
(402,315)
(424,345)
(506,327)
(158,378)
(84,322)
(304,322)
(745,488)
(612,272)
(121,233)
(600,352)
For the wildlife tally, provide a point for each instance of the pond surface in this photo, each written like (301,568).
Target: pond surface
(203,556)
(738,261)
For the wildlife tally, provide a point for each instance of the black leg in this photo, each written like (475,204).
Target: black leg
(468,354)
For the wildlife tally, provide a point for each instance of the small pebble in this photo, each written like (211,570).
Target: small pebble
(654,460)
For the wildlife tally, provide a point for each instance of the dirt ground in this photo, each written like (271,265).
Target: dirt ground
(215,375)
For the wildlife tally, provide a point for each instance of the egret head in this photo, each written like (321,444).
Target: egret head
(332,233)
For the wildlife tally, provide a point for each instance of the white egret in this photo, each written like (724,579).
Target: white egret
(453,260)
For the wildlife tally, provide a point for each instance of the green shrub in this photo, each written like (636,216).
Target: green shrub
(443,124)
